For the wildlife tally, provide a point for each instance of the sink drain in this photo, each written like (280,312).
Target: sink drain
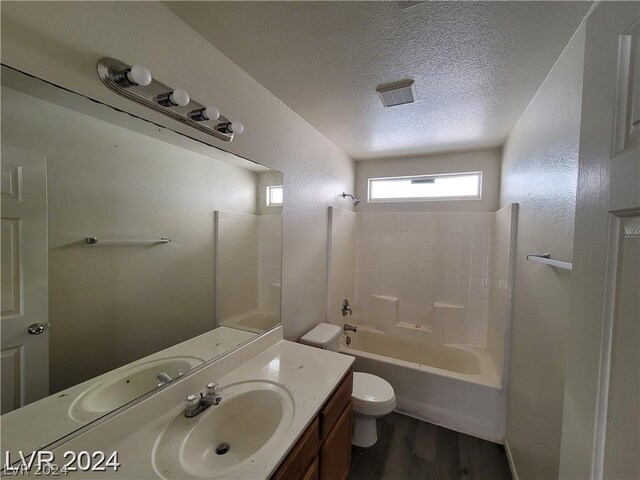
(223,448)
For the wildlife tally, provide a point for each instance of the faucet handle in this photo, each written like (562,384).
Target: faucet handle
(211,388)
(192,403)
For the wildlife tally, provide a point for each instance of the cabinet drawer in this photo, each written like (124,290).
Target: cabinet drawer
(335,406)
(297,463)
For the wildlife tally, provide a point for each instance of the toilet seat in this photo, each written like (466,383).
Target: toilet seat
(370,390)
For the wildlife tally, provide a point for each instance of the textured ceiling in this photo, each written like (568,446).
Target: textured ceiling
(476,65)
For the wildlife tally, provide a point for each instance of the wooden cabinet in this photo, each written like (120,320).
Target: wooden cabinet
(323,452)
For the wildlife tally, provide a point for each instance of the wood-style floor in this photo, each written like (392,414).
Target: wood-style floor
(410,449)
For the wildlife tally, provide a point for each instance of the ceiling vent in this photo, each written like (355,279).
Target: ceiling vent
(397,93)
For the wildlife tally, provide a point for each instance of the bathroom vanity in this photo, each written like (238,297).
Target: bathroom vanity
(285,413)
(324,450)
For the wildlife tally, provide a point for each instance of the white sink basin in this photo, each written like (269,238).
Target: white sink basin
(251,418)
(118,388)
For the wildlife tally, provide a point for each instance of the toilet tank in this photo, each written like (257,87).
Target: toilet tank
(325,336)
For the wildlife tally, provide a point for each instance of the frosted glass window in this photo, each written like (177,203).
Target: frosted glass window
(449,186)
(275,195)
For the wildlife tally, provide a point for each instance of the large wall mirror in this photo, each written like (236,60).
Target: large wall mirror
(131,254)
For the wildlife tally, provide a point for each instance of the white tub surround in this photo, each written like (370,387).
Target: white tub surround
(431,298)
(308,375)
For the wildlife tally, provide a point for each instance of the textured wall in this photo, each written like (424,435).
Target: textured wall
(487,161)
(539,171)
(62,41)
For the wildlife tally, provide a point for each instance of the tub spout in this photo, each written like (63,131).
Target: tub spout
(349,328)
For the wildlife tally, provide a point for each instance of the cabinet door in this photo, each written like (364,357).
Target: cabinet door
(330,413)
(312,472)
(304,453)
(335,454)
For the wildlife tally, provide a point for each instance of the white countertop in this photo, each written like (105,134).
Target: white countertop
(309,374)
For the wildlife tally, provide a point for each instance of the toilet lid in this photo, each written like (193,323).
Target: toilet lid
(371,390)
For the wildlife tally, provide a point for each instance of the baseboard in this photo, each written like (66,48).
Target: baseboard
(512,467)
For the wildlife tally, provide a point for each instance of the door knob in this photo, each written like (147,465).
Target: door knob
(35,329)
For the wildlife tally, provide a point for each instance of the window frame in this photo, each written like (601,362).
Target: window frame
(425,199)
(268,195)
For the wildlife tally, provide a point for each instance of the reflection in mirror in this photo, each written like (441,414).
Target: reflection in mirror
(248,261)
(90,325)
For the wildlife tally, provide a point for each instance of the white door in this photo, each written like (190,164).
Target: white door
(601,419)
(24,282)
(617,454)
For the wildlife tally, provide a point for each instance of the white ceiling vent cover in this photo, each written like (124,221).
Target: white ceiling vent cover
(397,93)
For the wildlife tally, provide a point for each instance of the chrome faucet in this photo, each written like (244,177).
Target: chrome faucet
(349,328)
(199,402)
(163,379)
(346,308)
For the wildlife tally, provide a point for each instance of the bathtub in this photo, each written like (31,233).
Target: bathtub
(452,385)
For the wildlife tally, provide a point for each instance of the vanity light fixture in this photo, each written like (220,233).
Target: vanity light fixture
(135,83)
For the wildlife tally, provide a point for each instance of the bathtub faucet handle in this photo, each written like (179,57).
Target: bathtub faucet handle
(346,308)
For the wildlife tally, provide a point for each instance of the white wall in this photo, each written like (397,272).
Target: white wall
(539,171)
(62,41)
(487,161)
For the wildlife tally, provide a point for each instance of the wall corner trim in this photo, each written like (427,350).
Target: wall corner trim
(512,466)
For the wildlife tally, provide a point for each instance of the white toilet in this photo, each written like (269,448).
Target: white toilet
(372,396)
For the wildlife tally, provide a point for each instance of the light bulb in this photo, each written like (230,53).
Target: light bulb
(211,113)
(173,99)
(138,75)
(179,98)
(236,127)
(206,113)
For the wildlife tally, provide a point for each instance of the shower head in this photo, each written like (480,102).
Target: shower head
(356,201)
